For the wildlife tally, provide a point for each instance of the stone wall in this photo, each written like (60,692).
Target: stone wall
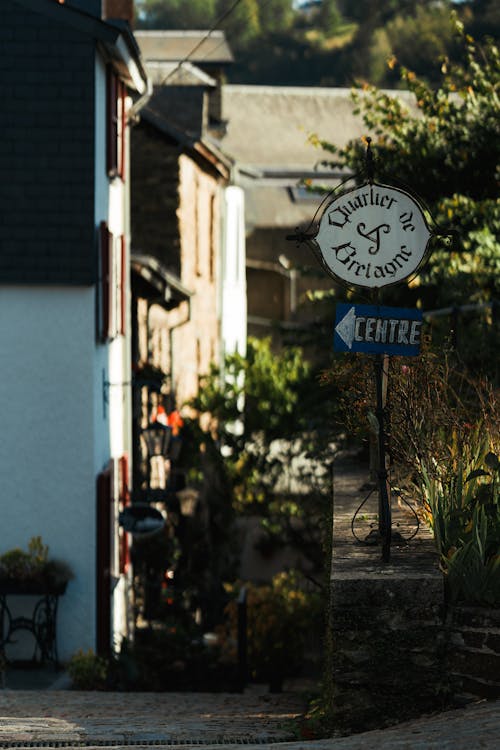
(177,217)
(155,196)
(386,637)
(388,648)
(473,655)
(396,648)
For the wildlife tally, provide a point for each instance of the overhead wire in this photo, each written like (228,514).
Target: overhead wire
(197,46)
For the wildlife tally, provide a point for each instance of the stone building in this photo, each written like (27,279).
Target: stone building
(188,234)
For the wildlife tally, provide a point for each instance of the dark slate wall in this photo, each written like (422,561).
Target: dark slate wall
(154,174)
(46,150)
(94,7)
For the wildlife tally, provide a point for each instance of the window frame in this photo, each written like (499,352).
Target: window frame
(115,124)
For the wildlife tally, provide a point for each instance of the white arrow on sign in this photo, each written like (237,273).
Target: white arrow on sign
(345,327)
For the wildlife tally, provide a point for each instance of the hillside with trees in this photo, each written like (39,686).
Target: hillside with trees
(328,42)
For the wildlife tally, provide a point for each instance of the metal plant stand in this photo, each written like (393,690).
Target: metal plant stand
(42,623)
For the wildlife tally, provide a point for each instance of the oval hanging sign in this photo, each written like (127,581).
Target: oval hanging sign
(373,236)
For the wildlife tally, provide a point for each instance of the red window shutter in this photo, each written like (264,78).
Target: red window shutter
(124,500)
(103,564)
(106,249)
(122,140)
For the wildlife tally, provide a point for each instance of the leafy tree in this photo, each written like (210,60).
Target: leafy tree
(262,389)
(280,60)
(447,148)
(377,37)
(421,39)
(416,32)
(483,18)
(274,42)
(379,52)
(329,17)
(378,12)
(175,14)
(242,24)
(268,414)
(275,15)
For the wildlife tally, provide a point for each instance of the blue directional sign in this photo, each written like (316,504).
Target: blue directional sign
(375,329)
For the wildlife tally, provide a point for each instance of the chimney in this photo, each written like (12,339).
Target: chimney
(93,7)
(123,9)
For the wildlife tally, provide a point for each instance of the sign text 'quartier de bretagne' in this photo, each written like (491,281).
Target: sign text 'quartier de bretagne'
(373,236)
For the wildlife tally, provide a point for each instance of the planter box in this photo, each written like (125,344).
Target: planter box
(31,588)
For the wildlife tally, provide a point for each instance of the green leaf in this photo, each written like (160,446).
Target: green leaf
(477,473)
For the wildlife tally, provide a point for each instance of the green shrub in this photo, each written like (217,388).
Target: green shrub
(88,671)
(462,496)
(473,572)
(279,616)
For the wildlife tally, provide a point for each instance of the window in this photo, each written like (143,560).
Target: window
(113,285)
(212,238)
(115,124)
(196,228)
(121,290)
(104,303)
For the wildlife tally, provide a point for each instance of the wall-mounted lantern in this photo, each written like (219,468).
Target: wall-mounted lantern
(157,438)
(188,500)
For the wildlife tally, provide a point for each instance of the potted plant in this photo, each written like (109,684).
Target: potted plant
(33,572)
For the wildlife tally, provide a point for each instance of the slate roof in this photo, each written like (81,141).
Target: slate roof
(267,137)
(179,45)
(175,73)
(154,281)
(268,125)
(271,205)
(114,34)
(179,110)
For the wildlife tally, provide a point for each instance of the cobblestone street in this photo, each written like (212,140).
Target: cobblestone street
(52,717)
(256,718)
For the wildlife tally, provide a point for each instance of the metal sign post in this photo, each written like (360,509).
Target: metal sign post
(379,330)
(384,493)
(367,238)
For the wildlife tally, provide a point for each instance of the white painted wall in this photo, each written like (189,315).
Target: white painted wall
(234,307)
(47,455)
(101,208)
(112,205)
(113,419)
(58,431)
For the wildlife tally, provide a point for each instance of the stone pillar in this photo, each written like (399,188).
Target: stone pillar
(387,638)
(123,9)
